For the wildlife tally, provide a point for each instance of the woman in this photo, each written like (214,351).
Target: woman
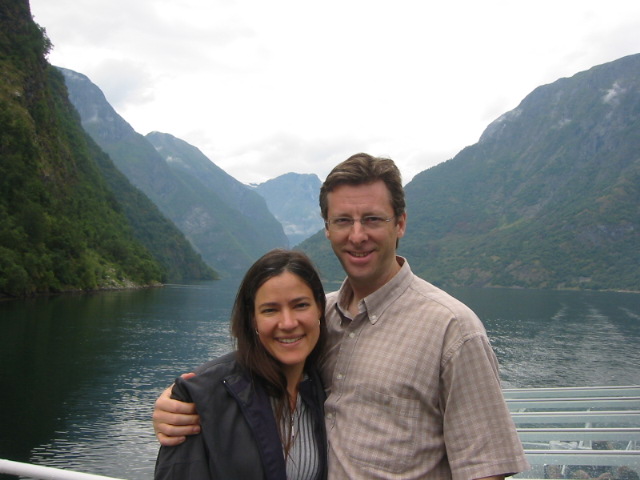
(261,406)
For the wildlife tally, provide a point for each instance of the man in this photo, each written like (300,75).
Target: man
(412,381)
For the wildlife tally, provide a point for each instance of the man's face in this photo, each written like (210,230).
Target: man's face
(368,255)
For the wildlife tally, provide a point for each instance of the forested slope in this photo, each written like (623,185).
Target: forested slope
(548,198)
(61,226)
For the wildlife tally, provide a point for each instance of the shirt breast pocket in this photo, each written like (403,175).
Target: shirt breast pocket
(383,430)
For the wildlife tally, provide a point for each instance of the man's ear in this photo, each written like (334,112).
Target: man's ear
(402,225)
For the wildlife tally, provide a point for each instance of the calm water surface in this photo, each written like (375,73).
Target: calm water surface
(80,373)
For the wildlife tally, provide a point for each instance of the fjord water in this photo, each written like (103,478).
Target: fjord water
(80,373)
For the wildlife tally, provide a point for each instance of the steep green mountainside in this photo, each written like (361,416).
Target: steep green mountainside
(319,250)
(61,227)
(293,199)
(158,234)
(548,198)
(228,238)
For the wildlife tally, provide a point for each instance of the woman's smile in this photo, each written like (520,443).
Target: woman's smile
(287,320)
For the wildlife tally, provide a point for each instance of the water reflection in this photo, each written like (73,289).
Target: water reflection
(84,371)
(550,338)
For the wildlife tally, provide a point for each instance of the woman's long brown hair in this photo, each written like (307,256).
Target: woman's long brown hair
(250,351)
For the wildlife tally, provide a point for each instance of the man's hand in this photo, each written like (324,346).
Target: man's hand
(173,419)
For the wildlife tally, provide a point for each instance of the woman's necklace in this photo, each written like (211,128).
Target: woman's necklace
(294,415)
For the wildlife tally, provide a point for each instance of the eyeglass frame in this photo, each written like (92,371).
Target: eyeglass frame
(352,221)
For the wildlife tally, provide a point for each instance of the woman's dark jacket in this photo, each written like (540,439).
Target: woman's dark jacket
(239,436)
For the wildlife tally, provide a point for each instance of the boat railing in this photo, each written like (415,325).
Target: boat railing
(588,418)
(579,403)
(586,432)
(573,392)
(27,470)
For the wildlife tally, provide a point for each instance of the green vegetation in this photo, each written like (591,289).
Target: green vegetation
(61,226)
(162,238)
(549,197)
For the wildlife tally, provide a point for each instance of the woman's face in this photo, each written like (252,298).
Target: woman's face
(287,320)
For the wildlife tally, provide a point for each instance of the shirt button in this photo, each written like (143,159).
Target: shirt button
(374,317)
(352,334)
(340,376)
(329,416)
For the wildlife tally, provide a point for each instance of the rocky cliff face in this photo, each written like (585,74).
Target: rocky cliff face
(193,166)
(293,199)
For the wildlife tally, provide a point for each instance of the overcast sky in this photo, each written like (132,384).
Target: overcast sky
(269,87)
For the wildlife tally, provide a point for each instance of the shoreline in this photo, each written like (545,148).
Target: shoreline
(79,291)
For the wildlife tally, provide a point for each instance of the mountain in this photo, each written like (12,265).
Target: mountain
(293,199)
(228,223)
(160,236)
(548,198)
(62,226)
(193,167)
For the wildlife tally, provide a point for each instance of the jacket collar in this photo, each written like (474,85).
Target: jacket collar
(256,409)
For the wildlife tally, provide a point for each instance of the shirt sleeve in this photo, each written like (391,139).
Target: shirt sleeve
(480,436)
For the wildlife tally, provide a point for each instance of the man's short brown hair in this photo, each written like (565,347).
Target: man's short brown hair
(362,169)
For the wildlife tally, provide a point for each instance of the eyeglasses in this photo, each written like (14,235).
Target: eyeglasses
(370,222)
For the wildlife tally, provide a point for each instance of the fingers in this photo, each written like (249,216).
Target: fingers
(173,420)
(172,435)
(166,404)
(172,429)
(175,423)
(169,441)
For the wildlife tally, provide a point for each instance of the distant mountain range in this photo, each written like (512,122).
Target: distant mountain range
(293,199)
(548,198)
(192,191)
(228,223)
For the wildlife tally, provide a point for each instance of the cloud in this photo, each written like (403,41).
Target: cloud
(257,160)
(264,88)
(124,82)
(612,95)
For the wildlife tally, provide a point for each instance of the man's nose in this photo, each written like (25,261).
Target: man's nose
(357,233)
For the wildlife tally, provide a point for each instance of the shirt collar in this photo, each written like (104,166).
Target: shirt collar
(377,302)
